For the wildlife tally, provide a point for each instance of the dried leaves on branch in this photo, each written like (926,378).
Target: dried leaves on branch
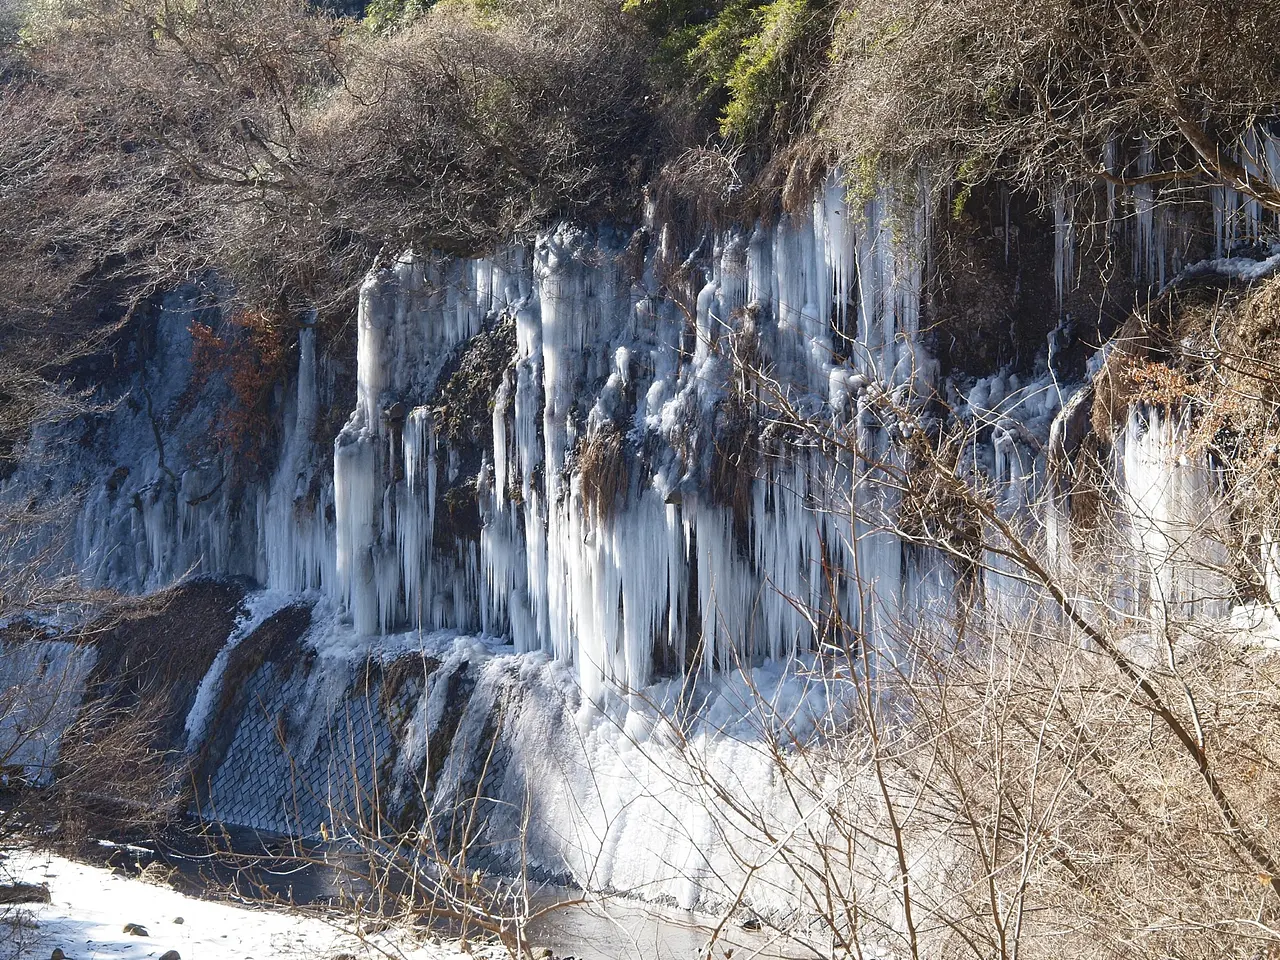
(285,148)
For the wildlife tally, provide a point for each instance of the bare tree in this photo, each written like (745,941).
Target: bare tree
(285,148)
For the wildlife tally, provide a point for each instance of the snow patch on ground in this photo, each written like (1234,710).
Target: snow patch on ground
(1246,269)
(90,906)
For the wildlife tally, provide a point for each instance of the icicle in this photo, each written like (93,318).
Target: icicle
(615,593)
(355,502)
(1064,245)
(1176,515)
(296,541)
(674,574)
(1148,247)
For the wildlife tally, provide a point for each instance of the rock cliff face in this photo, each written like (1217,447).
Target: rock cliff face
(573,452)
(565,444)
(576,445)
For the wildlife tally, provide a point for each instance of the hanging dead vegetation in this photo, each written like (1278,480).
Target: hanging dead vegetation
(603,474)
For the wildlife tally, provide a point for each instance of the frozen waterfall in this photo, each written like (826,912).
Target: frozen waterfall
(666,572)
(565,444)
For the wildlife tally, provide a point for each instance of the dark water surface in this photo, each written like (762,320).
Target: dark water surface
(259,868)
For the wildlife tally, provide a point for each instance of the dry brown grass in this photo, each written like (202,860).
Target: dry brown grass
(1202,347)
(602,472)
(1030,92)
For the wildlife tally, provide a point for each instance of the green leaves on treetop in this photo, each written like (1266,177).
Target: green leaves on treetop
(383,16)
(746,57)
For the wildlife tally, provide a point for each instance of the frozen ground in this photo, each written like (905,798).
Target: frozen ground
(91,905)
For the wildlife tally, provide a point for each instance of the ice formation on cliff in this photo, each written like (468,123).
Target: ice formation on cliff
(603,598)
(665,572)
(629,347)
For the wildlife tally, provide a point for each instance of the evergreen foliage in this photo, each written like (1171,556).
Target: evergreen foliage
(750,61)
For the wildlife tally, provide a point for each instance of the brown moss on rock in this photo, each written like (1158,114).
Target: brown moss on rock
(470,380)
(462,408)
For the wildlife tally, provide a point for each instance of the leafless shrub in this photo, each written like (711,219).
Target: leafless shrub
(284,148)
(701,185)
(76,758)
(1033,93)
(792,174)
(114,774)
(1017,793)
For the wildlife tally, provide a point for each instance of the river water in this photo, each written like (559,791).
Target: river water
(266,868)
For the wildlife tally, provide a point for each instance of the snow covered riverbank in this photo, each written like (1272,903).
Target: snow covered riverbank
(90,906)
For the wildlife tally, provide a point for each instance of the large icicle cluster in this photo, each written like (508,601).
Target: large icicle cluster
(389,570)
(1159,234)
(663,572)
(621,504)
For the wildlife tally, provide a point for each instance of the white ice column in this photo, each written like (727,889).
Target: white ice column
(293,531)
(1176,512)
(355,504)
(839,239)
(877,571)
(358,481)
(1064,245)
(790,546)
(415,514)
(802,301)
(562,294)
(890,278)
(376,328)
